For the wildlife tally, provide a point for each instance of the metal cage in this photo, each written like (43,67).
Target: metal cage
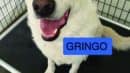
(10,11)
(110,10)
(116,10)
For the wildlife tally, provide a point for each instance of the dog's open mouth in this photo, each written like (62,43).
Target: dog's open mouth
(51,28)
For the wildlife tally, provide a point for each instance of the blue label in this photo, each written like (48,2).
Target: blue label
(87,46)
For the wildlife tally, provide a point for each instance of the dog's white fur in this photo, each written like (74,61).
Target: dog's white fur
(83,21)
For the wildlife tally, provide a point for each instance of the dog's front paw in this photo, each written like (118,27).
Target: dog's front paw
(73,72)
(49,71)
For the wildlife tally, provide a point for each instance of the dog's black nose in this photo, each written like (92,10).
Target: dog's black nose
(43,8)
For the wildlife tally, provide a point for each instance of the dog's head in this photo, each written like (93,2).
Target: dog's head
(52,15)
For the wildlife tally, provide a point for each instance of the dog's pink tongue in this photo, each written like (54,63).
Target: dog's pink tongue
(50,28)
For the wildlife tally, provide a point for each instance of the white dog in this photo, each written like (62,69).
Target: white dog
(52,20)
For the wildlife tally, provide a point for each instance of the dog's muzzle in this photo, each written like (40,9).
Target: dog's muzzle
(51,28)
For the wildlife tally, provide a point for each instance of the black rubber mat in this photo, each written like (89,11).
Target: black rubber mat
(18,49)
(3,70)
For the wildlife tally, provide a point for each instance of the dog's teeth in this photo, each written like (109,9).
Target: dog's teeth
(55,31)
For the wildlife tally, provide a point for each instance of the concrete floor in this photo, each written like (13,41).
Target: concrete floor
(18,49)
